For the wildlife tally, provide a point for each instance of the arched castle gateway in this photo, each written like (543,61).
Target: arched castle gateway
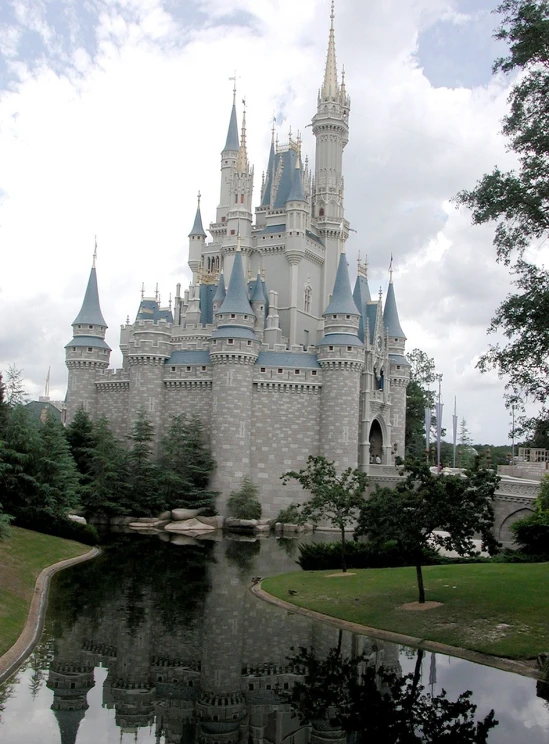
(286,360)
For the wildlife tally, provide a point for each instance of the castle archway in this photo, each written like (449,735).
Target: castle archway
(505,534)
(376,442)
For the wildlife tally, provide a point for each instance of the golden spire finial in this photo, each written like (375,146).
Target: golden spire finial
(94,259)
(242,161)
(332,14)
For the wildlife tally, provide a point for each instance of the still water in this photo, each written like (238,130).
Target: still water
(159,642)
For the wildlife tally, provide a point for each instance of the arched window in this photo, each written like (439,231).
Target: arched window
(321,212)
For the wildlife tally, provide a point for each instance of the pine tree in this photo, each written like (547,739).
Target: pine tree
(187,465)
(82,442)
(20,491)
(107,489)
(56,471)
(144,475)
(14,387)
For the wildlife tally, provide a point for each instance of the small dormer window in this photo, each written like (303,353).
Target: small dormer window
(245,317)
(249,343)
(173,369)
(347,317)
(334,317)
(90,348)
(398,366)
(330,348)
(90,326)
(233,315)
(203,369)
(280,371)
(349,348)
(296,371)
(188,369)
(230,341)
(263,369)
(313,373)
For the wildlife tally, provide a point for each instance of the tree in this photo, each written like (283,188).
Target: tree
(244,503)
(82,441)
(57,474)
(418,398)
(518,202)
(532,532)
(14,387)
(422,507)
(377,705)
(144,475)
(107,489)
(187,465)
(20,490)
(335,497)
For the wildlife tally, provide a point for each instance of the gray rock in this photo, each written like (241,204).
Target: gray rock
(216,522)
(189,525)
(181,514)
(232,522)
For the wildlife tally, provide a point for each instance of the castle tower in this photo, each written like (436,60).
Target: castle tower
(341,356)
(88,352)
(229,156)
(399,368)
(233,352)
(220,293)
(258,305)
(197,241)
(296,224)
(331,129)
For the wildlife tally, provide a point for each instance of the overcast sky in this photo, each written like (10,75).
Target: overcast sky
(113,114)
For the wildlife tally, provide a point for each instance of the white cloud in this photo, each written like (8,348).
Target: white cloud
(119,141)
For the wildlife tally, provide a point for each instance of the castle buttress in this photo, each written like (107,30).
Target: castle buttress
(285,360)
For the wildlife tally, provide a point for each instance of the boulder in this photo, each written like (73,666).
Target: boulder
(216,522)
(165,516)
(179,515)
(76,518)
(263,528)
(240,524)
(188,525)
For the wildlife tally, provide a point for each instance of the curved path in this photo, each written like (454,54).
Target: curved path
(507,665)
(14,656)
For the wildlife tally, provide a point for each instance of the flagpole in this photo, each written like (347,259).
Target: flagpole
(454,427)
(439,422)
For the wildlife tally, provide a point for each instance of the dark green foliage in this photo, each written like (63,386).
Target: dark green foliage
(56,471)
(518,203)
(187,465)
(290,515)
(334,497)
(419,507)
(338,694)
(532,532)
(59,527)
(144,480)
(327,556)
(418,397)
(244,504)
(81,438)
(107,490)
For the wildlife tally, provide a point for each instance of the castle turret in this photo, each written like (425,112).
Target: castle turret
(234,351)
(399,368)
(220,294)
(341,356)
(88,353)
(331,129)
(197,241)
(258,306)
(229,156)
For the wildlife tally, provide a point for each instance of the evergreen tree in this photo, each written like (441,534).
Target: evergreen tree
(244,503)
(56,471)
(187,464)
(107,488)
(146,497)
(418,398)
(3,408)
(82,442)
(20,491)
(14,387)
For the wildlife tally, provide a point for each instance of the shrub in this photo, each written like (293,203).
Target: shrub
(532,534)
(60,527)
(289,515)
(244,504)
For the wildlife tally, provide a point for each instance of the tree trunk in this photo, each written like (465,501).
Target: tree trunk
(419,574)
(343,561)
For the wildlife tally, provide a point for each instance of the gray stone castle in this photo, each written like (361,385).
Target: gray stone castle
(269,345)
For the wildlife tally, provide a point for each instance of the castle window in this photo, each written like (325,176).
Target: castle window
(249,343)
(398,366)
(334,317)
(251,686)
(215,341)
(263,369)
(90,326)
(230,341)
(280,371)
(232,232)
(296,371)
(223,219)
(348,317)
(313,373)
(203,369)
(233,315)
(188,369)
(245,317)
(307,298)
(321,212)
(242,198)
(349,348)
(80,326)
(90,348)
(330,348)
(236,198)
(173,369)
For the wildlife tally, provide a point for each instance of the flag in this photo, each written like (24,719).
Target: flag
(428,415)
(455,423)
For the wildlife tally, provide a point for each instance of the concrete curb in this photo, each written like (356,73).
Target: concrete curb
(498,662)
(14,656)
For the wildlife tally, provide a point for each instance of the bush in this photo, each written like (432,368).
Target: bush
(83,533)
(532,534)
(244,504)
(327,556)
(289,515)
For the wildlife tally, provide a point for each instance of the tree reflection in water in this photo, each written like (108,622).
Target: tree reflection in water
(352,696)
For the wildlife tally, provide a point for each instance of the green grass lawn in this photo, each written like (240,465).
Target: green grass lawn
(23,554)
(500,608)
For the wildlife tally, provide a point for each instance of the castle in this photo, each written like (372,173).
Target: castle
(269,345)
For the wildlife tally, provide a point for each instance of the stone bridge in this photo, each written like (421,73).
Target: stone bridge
(514,499)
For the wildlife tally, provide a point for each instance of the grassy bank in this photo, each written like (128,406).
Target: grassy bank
(499,609)
(23,554)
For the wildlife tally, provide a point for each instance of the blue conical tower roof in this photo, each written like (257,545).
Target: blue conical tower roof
(236,299)
(270,175)
(390,314)
(220,292)
(232,144)
(361,296)
(342,302)
(258,294)
(90,312)
(296,192)
(198,229)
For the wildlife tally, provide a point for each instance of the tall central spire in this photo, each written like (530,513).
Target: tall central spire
(242,160)
(330,87)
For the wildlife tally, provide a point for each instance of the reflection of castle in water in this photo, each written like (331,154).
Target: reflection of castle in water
(213,678)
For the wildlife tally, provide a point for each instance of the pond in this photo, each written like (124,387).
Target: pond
(162,642)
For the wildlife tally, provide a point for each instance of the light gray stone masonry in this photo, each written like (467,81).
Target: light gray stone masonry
(339,415)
